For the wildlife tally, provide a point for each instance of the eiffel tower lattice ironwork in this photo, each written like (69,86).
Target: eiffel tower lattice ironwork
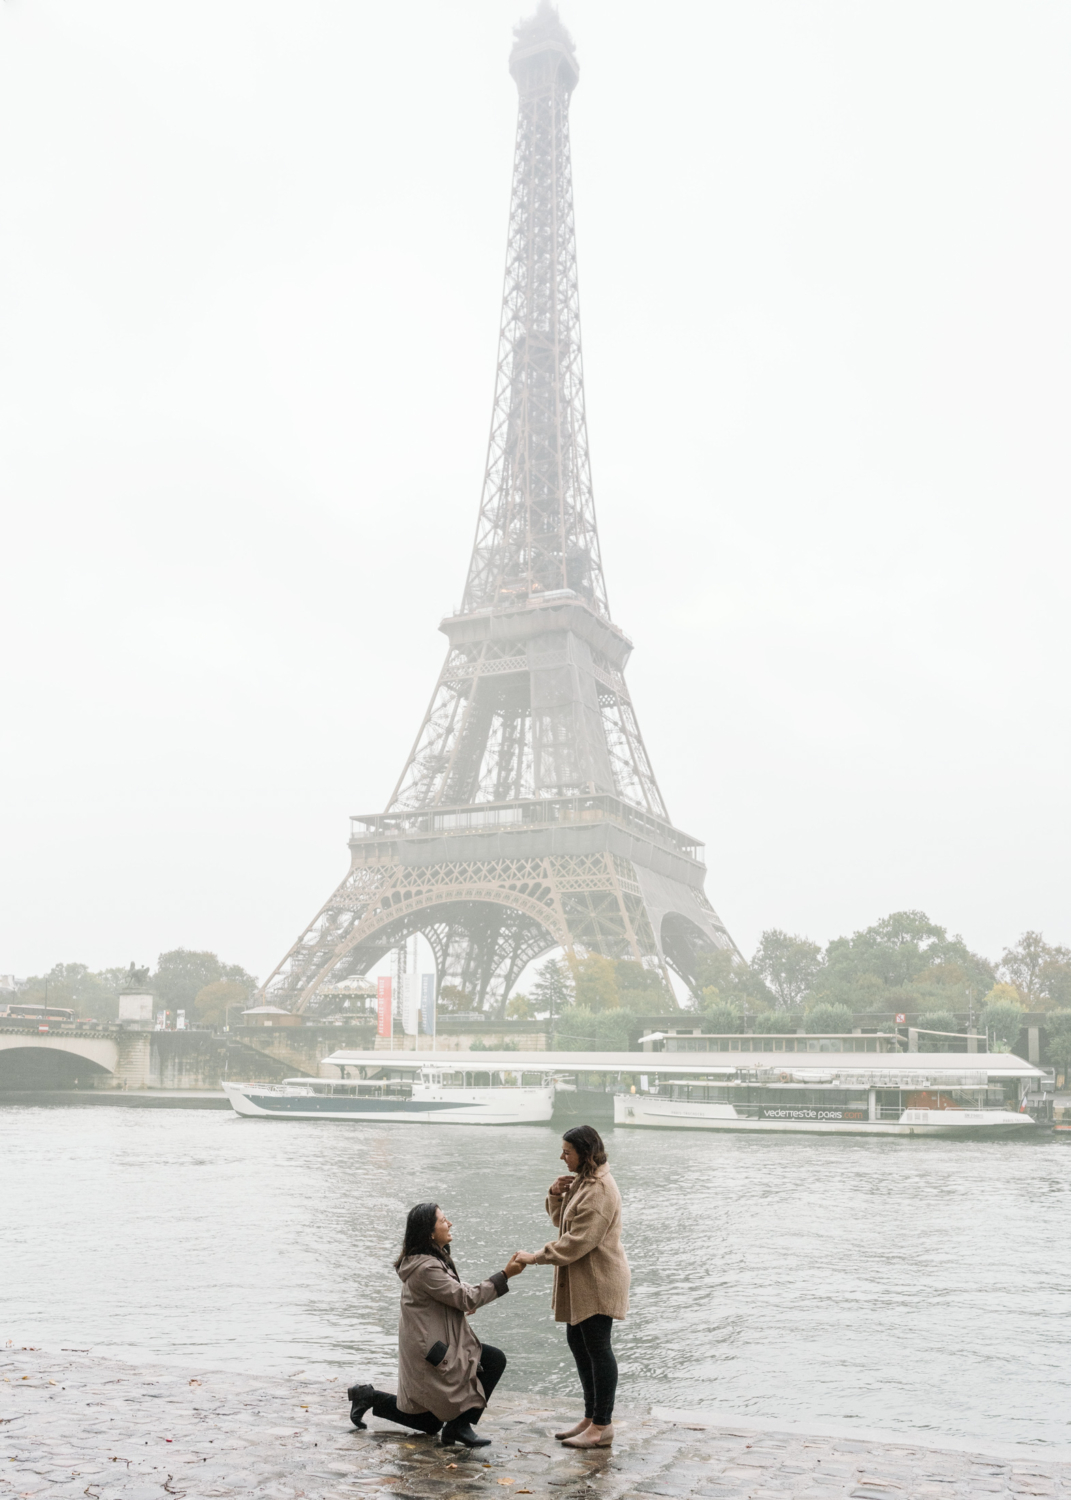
(527,816)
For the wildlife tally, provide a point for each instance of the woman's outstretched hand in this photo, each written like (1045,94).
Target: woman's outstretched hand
(515,1265)
(560,1185)
(521,1258)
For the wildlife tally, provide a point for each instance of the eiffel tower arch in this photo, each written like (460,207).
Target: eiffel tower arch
(527,816)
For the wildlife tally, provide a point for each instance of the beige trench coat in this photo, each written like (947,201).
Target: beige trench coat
(591,1273)
(434,1303)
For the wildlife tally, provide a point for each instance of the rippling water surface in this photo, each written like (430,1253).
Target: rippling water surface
(912,1285)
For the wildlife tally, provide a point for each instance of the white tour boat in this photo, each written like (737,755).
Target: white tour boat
(951,1093)
(453,1090)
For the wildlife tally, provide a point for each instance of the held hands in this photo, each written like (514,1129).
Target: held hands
(561,1185)
(515,1265)
(520,1259)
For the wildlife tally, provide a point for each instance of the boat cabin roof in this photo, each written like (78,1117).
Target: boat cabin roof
(909,1065)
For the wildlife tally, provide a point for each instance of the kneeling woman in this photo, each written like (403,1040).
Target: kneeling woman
(445,1375)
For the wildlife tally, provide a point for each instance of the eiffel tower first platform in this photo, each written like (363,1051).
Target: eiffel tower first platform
(527,816)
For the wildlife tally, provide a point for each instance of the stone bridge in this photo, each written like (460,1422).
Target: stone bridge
(110,1057)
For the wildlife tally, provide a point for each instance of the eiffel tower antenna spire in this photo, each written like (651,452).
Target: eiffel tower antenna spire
(527,816)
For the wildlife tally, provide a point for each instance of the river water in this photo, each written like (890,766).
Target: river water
(918,1286)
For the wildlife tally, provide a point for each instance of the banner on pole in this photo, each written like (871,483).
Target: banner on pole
(384,1005)
(410,1003)
(427,1004)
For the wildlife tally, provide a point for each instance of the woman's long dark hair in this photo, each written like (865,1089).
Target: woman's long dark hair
(587,1143)
(419,1227)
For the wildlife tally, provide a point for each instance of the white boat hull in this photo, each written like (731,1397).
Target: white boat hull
(427,1106)
(642,1111)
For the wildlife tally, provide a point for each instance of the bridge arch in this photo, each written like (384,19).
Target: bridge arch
(30,1059)
(30,1062)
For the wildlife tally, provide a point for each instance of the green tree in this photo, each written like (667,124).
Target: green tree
(76,987)
(937,1020)
(903,962)
(642,989)
(1058,1040)
(788,965)
(582,1030)
(454,1000)
(827,1017)
(1039,971)
(552,992)
(778,1022)
(182,973)
(518,1008)
(719,1016)
(1002,1017)
(736,982)
(212,1003)
(595,983)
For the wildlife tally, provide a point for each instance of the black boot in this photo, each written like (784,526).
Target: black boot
(460,1430)
(360,1398)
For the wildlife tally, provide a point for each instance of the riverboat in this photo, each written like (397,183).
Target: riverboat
(452,1091)
(912,1094)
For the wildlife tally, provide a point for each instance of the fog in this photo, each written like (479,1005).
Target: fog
(251,269)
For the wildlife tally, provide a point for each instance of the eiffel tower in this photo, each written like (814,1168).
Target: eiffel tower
(527,816)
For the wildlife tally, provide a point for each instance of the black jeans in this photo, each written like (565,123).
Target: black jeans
(492,1364)
(595,1364)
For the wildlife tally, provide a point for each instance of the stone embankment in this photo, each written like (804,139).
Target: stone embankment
(75,1425)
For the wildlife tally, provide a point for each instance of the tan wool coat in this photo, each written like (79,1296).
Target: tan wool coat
(591,1273)
(434,1303)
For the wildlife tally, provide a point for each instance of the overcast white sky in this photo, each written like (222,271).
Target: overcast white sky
(250,275)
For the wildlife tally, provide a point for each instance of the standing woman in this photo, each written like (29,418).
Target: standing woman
(591,1277)
(445,1375)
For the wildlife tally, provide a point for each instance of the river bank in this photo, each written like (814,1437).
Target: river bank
(75,1425)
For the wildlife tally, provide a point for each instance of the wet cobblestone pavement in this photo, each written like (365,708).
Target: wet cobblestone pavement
(76,1425)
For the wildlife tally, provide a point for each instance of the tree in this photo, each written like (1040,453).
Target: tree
(518,1008)
(582,1030)
(736,982)
(642,989)
(553,989)
(719,1017)
(788,965)
(827,1017)
(75,987)
(1040,972)
(778,1022)
(1002,1017)
(182,973)
(454,1000)
(1058,1039)
(903,962)
(595,983)
(215,1000)
(937,1020)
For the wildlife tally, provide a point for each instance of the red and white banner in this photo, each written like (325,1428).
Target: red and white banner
(384,1005)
